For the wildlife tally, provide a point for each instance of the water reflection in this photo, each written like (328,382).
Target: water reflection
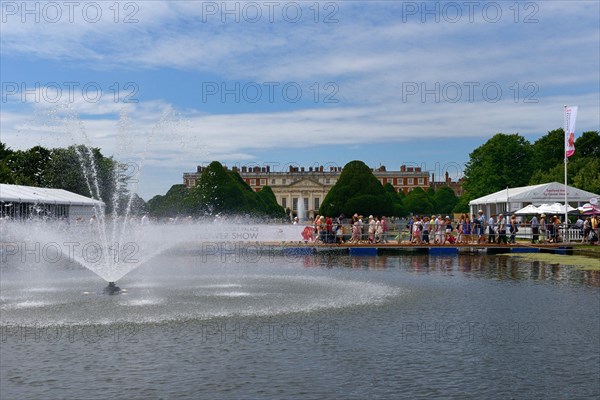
(498,267)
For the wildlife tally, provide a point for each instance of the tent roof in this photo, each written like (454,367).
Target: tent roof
(537,194)
(30,194)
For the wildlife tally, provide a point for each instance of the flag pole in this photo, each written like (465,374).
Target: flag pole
(566,238)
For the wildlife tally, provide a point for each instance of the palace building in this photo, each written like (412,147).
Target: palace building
(311,184)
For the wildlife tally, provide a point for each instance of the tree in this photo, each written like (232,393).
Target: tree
(6,175)
(172,204)
(28,167)
(5,151)
(399,208)
(503,161)
(366,204)
(138,205)
(462,206)
(220,191)
(430,192)
(417,202)
(549,150)
(395,198)
(269,200)
(587,145)
(79,169)
(355,182)
(445,200)
(588,175)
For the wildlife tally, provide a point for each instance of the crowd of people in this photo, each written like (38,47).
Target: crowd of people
(326,230)
(439,230)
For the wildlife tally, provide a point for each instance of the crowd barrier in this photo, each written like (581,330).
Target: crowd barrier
(400,233)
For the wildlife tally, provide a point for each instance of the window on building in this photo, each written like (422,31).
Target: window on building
(317,205)
(252,182)
(272,181)
(284,202)
(283,181)
(421,181)
(263,182)
(295,204)
(305,203)
(327,181)
(411,181)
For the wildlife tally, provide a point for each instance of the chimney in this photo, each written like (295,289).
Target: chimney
(447,177)
(244,168)
(403,168)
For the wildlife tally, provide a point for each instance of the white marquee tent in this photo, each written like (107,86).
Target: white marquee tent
(512,199)
(20,202)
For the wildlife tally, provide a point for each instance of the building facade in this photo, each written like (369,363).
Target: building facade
(309,185)
(456,186)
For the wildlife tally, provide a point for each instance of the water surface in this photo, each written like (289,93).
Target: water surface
(304,327)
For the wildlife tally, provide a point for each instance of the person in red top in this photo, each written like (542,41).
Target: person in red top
(384,229)
(328,230)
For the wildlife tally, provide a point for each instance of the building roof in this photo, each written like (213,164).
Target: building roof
(545,193)
(30,194)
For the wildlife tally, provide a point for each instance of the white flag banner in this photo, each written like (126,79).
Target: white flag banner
(570,116)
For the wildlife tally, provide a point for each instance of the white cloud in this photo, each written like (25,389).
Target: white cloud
(369,54)
(175,141)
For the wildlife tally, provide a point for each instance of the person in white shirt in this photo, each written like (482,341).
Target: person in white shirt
(492,229)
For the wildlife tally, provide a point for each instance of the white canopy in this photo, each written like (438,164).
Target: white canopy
(556,208)
(545,193)
(527,210)
(37,195)
(507,200)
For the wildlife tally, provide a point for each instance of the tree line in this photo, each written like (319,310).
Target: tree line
(70,169)
(510,160)
(359,191)
(218,192)
(505,160)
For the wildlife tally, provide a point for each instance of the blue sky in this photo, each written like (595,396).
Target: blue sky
(170,85)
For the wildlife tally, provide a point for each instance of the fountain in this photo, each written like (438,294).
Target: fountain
(208,294)
(112,289)
(301,210)
(113,243)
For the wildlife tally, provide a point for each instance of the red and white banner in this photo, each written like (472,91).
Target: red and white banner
(570,116)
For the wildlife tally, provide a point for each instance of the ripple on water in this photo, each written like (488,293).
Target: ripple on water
(25,304)
(258,295)
(142,302)
(234,294)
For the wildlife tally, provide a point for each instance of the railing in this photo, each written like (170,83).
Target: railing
(402,234)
